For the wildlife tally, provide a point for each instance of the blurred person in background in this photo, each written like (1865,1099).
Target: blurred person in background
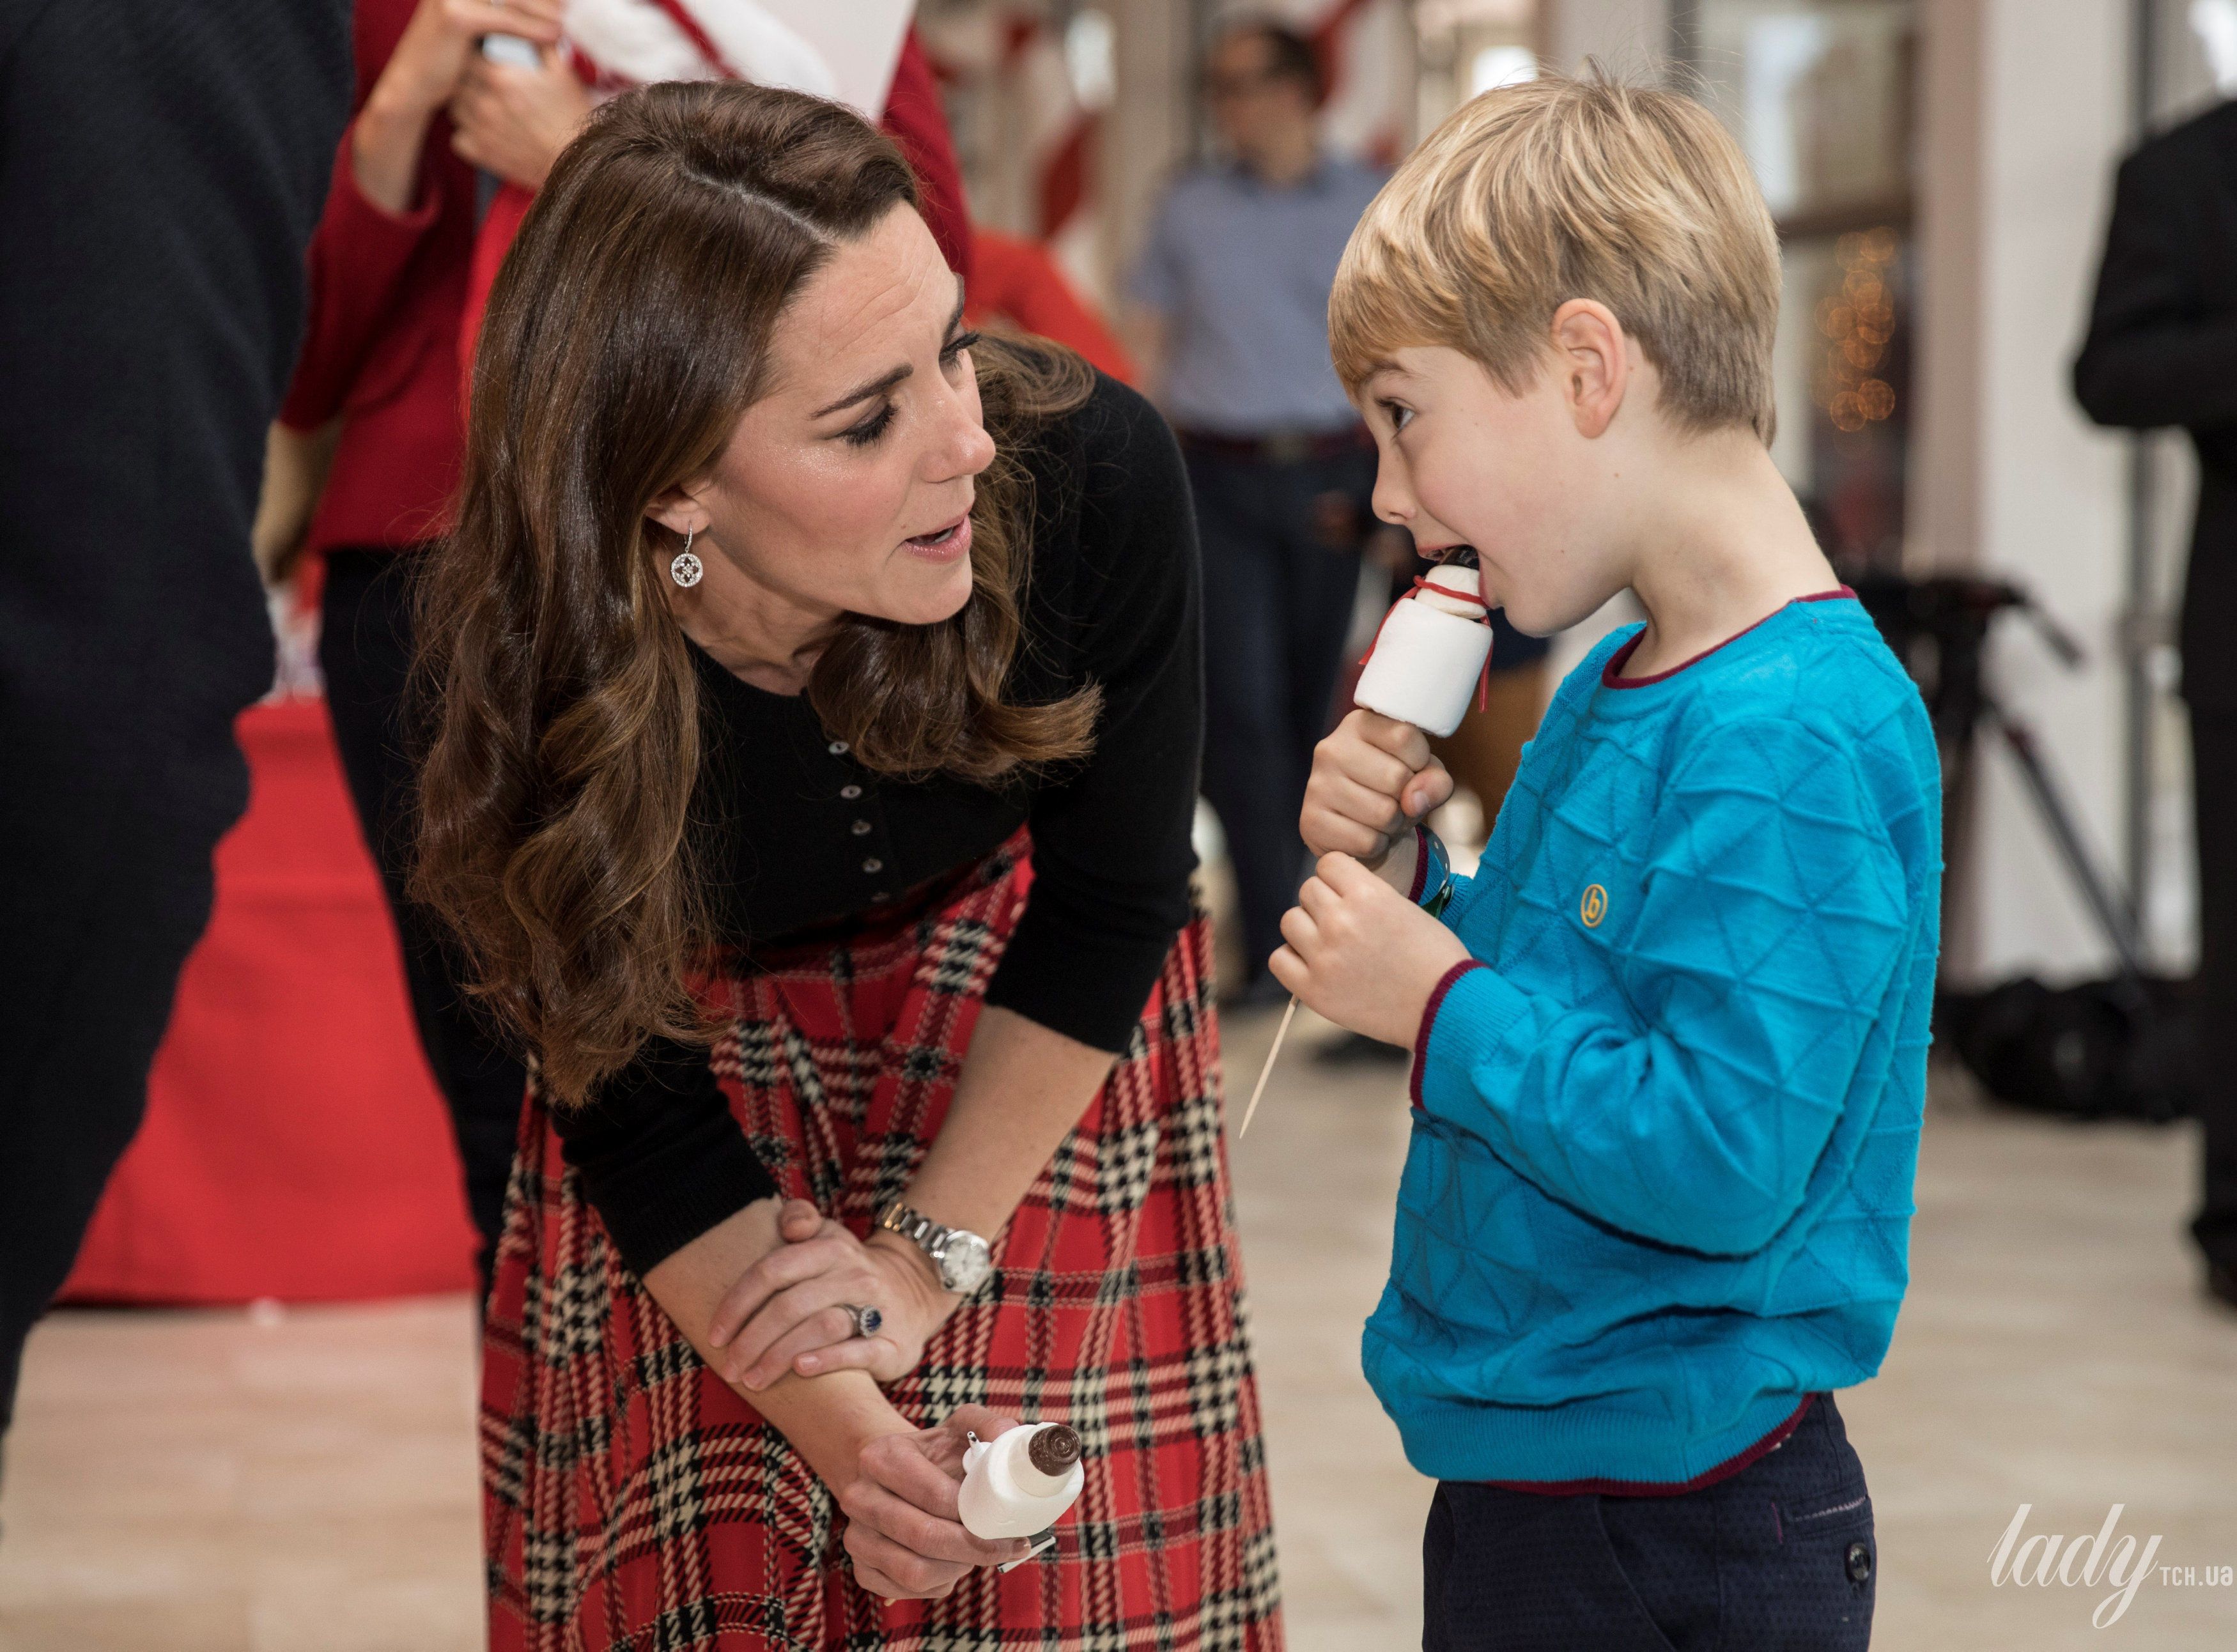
(1232,335)
(161,170)
(381,363)
(2161,350)
(393,273)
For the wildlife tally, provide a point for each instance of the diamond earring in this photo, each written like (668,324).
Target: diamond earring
(685,571)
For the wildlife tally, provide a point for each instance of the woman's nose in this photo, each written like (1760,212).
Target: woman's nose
(964,448)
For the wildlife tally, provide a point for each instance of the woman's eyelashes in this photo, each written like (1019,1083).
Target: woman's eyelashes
(862,432)
(867,430)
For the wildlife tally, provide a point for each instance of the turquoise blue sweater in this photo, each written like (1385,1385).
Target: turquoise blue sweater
(1659,1184)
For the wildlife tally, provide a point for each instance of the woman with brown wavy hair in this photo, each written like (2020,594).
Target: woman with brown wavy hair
(815,697)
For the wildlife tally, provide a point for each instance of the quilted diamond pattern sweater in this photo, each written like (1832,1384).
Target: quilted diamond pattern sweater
(1666,1122)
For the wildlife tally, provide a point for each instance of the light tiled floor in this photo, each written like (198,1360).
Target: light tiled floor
(304,1481)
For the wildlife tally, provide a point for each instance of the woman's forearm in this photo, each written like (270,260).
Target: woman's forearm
(1022,1089)
(828,1418)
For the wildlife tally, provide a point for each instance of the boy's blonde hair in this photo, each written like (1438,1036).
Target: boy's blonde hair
(1555,189)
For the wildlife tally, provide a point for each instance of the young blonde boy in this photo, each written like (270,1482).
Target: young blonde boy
(1670,1039)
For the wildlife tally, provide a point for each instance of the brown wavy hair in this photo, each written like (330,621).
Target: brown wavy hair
(627,333)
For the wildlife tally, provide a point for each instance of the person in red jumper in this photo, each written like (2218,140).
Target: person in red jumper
(391,271)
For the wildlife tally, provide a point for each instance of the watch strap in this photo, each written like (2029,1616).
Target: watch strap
(921,1231)
(915,1226)
(1433,874)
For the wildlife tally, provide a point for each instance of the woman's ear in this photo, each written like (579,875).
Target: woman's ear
(678,510)
(1593,358)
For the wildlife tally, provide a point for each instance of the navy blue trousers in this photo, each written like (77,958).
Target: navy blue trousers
(1780,1557)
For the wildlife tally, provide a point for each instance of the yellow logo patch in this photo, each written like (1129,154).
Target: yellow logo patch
(1594,907)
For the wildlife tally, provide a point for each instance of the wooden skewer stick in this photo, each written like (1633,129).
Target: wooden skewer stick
(1267,1071)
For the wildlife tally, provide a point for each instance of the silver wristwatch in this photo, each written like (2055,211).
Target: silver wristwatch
(963,1259)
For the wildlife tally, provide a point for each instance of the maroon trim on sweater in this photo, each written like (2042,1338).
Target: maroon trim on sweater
(1724,1471)
(1445,983)
(1421,866)
(1610,673)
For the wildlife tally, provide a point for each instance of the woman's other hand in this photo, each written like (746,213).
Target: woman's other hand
(790,1310)
(904,1531)
(1371,780)
(513,122)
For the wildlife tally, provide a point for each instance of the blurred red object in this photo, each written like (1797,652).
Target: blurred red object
(295,1146)
(1016,281)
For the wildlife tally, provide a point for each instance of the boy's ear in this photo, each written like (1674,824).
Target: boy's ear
(1592,357)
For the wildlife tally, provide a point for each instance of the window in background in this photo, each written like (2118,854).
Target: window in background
(2214,23)
(1091,57)
(1818,93)
(1464,47)
(1495,65)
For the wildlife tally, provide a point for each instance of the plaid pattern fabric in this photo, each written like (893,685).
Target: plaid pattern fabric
(631,1500)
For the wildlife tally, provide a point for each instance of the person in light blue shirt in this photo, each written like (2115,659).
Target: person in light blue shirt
(1670,1040)
(1236,272)
(1231,298)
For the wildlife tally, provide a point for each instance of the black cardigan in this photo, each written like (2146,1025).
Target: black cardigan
(808,839)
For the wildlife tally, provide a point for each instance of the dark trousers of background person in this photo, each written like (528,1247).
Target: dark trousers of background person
(1281,523)
(161,167)
(1779,1557)
(2213,763)
(365,649)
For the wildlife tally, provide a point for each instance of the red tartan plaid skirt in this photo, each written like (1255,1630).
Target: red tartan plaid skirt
(632,1500)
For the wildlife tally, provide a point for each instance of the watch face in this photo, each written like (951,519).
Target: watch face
(964,1263)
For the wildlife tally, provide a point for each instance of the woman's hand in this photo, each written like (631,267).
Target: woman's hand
(904,1531)
(1371,780)
(514,122)
(1362,954)
(790,1310)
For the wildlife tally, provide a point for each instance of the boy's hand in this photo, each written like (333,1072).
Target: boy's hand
(1362,954)
(1372,780)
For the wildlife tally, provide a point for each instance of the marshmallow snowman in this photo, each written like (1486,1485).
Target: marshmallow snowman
(1432,652)
(1021,1482)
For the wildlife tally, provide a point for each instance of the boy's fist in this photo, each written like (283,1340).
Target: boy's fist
(1362,954)
(1372,780)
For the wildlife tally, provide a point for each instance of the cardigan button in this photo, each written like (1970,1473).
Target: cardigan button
(850,792)
(861,828)
(873,866)
(1859,1562)
(837,748)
